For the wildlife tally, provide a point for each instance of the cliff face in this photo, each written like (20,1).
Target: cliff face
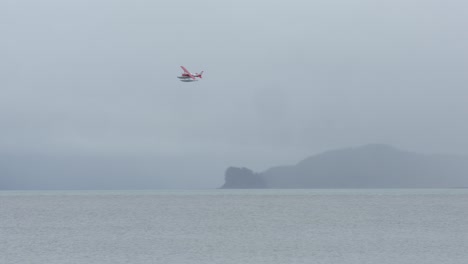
(242,178)
(370,166)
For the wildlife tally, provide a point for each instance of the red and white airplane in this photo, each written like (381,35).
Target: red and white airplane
(186,76)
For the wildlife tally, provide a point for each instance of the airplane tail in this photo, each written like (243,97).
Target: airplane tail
(201,73)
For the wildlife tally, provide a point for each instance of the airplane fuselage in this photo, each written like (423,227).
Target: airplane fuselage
(185,75)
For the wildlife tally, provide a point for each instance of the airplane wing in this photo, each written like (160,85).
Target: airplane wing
(187,72)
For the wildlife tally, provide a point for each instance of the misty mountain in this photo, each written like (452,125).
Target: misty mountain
(243,178)
(369,166)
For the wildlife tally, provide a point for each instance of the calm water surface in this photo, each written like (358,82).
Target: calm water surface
(235,226)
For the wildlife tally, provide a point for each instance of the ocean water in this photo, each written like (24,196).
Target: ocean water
(235,226)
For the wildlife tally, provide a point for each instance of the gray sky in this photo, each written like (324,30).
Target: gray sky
(283,81)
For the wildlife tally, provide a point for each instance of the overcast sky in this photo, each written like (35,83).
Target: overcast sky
(283,80)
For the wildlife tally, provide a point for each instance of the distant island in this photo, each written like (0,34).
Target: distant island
(369,166)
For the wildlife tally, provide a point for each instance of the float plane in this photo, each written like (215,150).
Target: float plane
(187,76)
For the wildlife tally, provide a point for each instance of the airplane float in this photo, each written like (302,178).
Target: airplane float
(187,76)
